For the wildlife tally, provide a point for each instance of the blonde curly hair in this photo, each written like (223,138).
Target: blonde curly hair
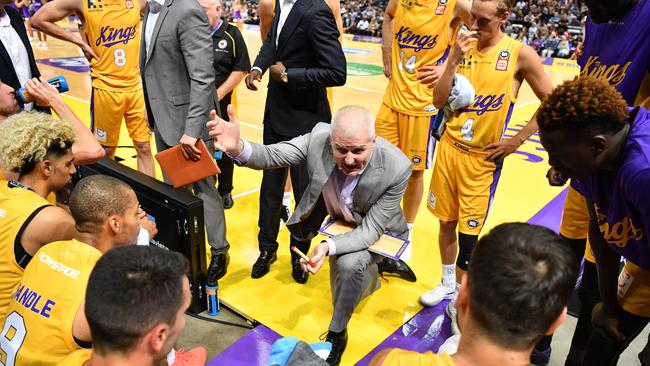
(26,138)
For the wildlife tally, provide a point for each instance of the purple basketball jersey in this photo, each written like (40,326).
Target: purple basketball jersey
(622,199)
(619,52)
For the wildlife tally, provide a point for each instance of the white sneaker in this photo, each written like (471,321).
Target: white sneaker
(434,296)
(453,314)
(38,44)
(451,345)
(44,45)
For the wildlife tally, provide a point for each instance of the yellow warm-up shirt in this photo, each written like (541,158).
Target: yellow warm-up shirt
(421,36)
(44,305)
(492,74)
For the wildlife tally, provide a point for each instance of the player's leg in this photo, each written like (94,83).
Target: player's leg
(139,130)
(106,112)
(443,203)
(589,296)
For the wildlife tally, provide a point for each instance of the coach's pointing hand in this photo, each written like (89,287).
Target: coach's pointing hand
(225,134)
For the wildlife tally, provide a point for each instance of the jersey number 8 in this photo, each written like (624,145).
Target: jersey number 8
(15,324)
(120,57)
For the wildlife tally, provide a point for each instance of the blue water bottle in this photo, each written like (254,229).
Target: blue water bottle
(58,82)
(214,307)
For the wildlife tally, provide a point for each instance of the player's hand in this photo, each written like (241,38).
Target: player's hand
(601,319)
(275,71)
(318,256)
(386,56)
(498,151)
(42,93)
(464,43)
(254,75)
(225,134)
(88,51)
(189,149)
(430,74)
(555,178)
(147,224)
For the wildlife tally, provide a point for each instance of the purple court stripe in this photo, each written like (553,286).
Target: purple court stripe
(551,214)
(252,349)
(426,331)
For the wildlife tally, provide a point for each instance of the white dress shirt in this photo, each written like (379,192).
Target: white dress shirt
(285,9)
(338,192)
(17,51)
(151,24)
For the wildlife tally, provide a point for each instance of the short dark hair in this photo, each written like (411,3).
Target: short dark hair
(584,106)
(520,279)
(96,197)
(131,290)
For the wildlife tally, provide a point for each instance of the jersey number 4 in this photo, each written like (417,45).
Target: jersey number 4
(409,65)
(12,337)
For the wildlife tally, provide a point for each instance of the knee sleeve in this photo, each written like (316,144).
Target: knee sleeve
(465,245)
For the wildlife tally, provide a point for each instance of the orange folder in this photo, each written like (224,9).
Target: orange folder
(181,171)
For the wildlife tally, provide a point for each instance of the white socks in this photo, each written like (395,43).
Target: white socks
(286,199)
(449,275)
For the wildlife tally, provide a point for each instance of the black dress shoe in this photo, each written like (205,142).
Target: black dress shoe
(339,341)
(298,274)
(263,263)
(396,267)
(227,200)
(218,267)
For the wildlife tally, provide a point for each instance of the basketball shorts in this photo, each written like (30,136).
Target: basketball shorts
(575,217)
(412,134)
(634,290)
(108,108)
(462,187)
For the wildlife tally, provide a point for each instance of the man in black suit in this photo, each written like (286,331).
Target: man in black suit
(304,56)
(17,63)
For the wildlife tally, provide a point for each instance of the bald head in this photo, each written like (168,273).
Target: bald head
(353,138)
(353,121)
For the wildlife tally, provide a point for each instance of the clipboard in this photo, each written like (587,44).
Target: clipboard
(181,171)
(388,245)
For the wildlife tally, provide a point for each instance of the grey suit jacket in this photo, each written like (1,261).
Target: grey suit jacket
(178,72)
(376,202)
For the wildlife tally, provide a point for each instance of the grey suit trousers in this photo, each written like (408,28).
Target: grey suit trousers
(353,276)
(215,221)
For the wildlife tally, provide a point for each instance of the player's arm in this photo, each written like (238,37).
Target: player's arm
(607,262)
(387,37)
(80,327)
(441,91)
(85,149)
(46,17)
(462,12)
(49,225)
(335,5)
(265,11)
(529,66)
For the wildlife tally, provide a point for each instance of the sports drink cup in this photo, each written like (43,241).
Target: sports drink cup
(214,307)
(58,82)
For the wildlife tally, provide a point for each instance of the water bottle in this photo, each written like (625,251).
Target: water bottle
(58,82)
(214,307)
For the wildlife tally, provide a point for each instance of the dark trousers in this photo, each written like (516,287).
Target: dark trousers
(225,164)
(271,193)
(603,349)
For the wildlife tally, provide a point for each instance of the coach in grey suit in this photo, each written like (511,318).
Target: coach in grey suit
(354,176)
(178,78)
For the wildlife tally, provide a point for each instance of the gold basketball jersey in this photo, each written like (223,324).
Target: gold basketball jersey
(112,29)
(18,207)
(44,305)
(492,73)
(421,37)
(77,358)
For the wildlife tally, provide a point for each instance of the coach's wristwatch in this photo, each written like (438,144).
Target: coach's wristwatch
(284,77)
